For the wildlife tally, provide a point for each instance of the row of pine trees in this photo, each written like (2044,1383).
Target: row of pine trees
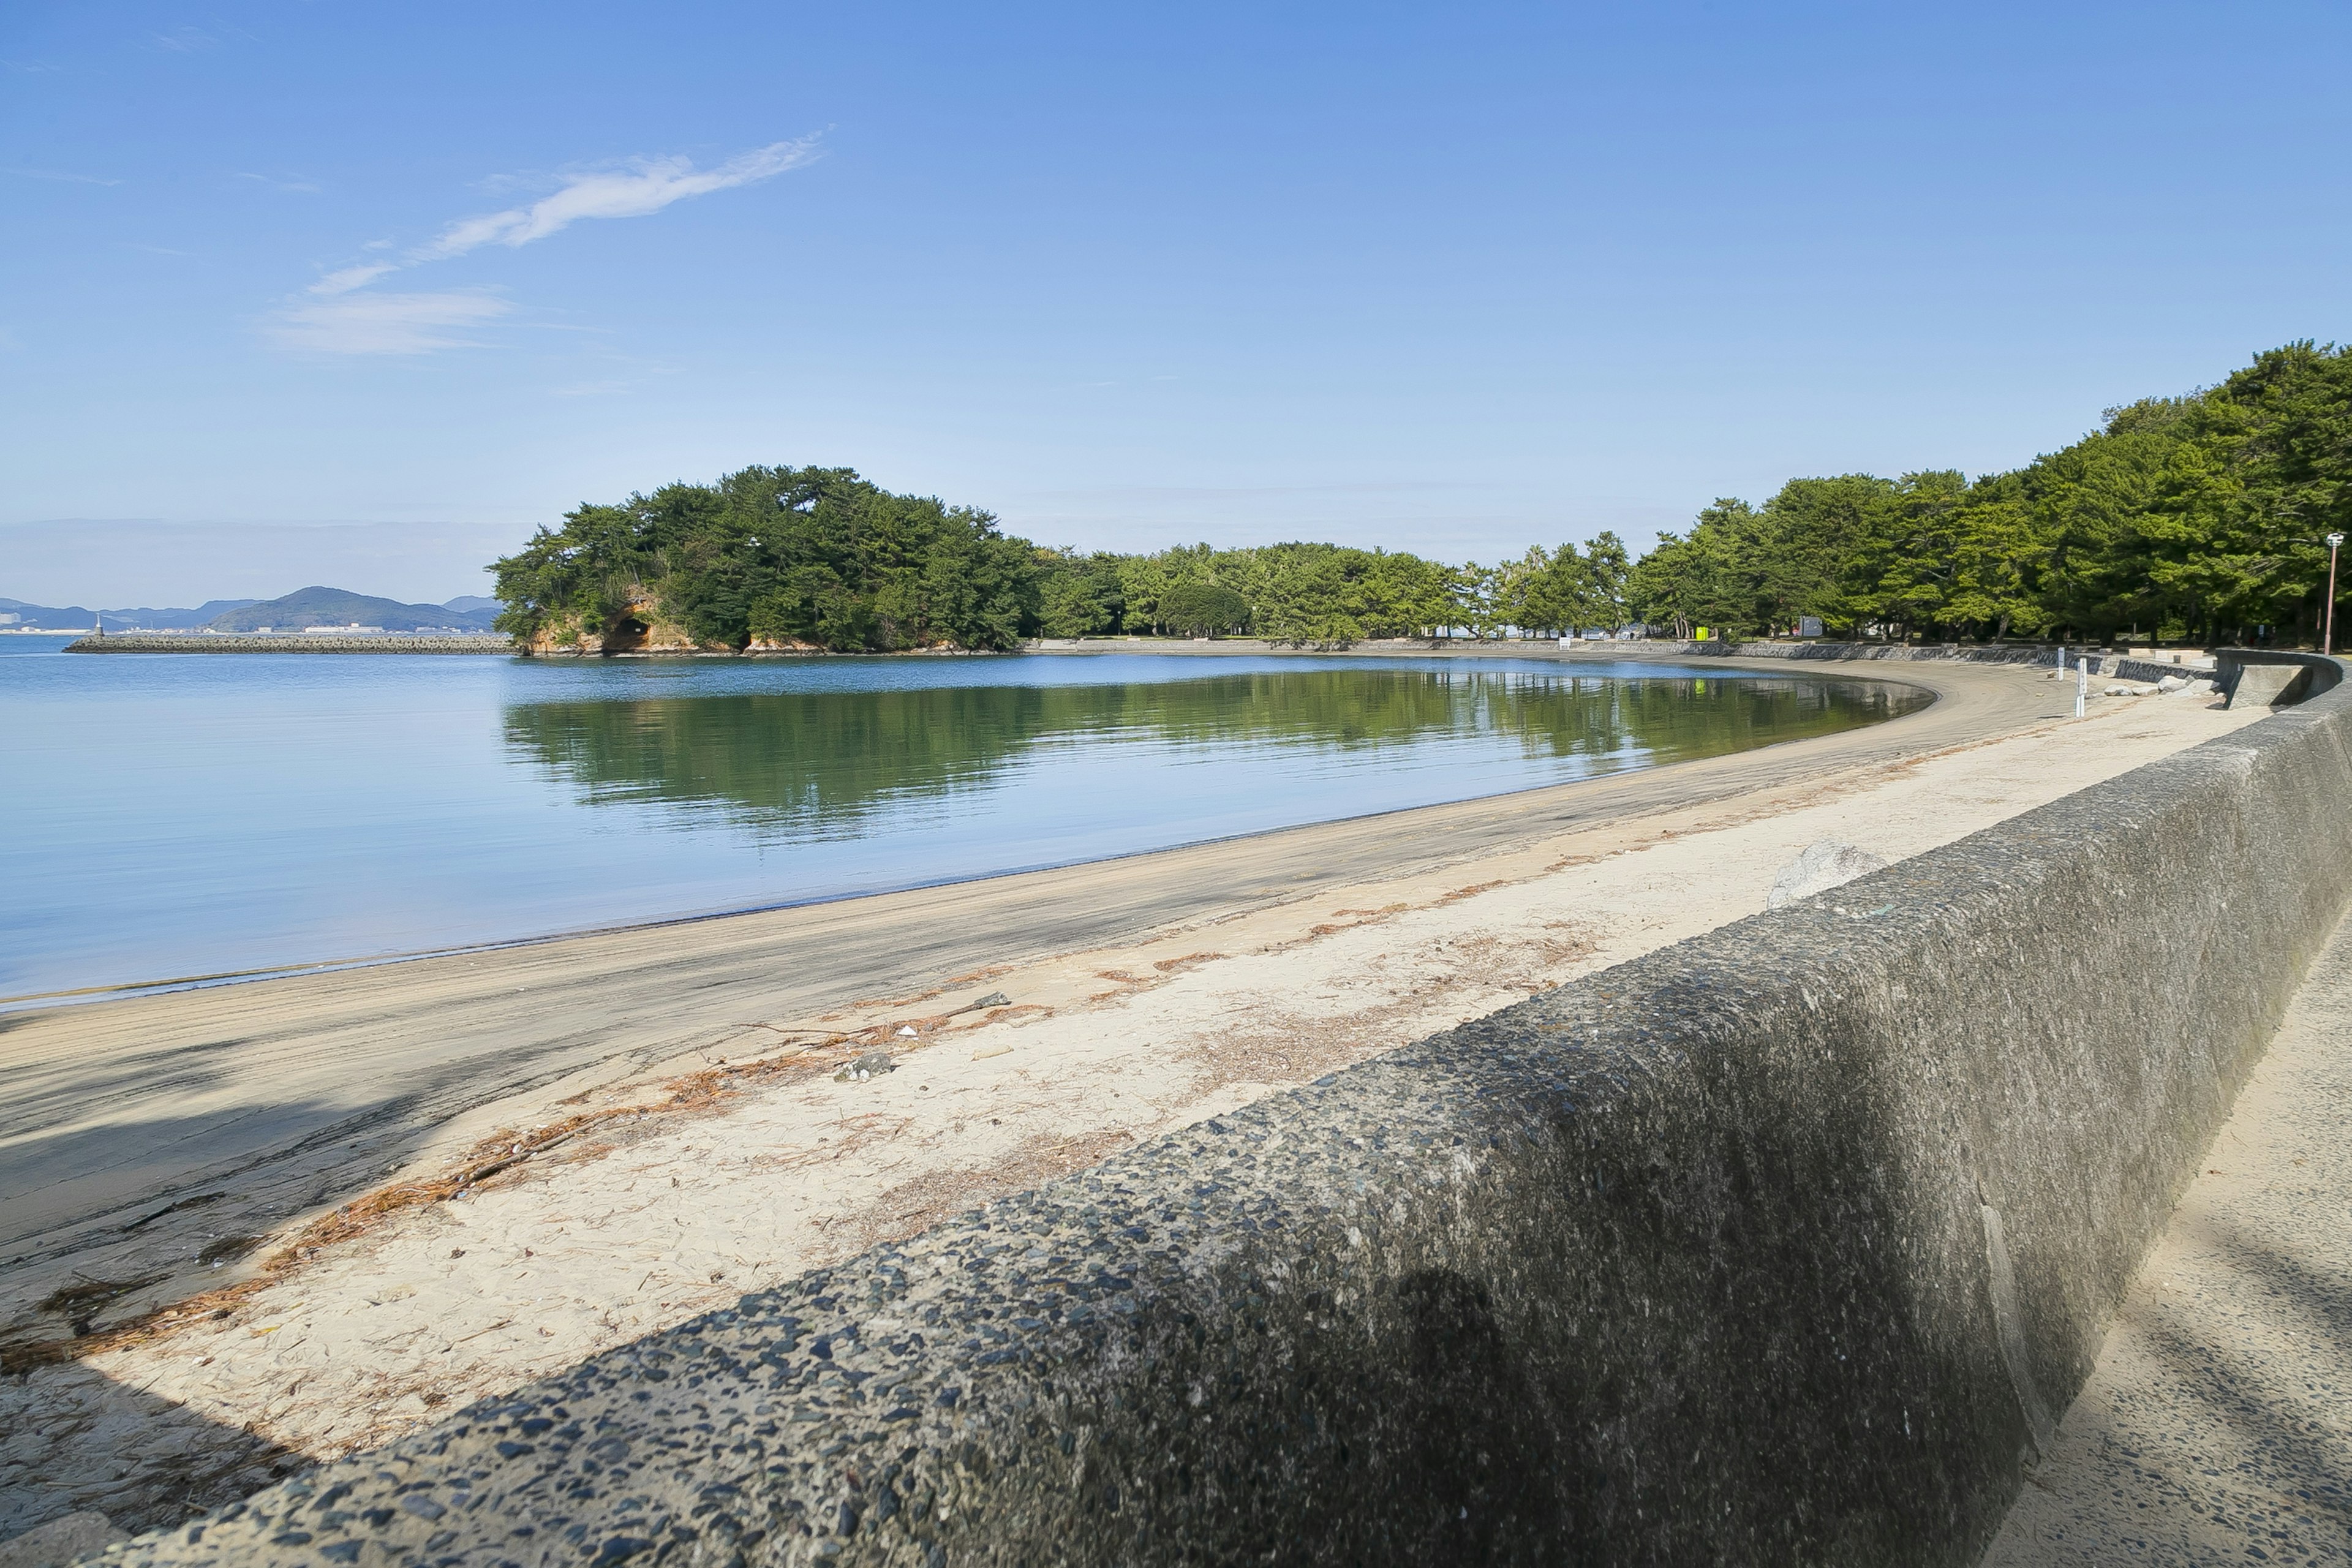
(2201,516)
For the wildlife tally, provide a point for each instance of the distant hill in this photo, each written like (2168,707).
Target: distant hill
(174,620)
(207,612)
(66,617)
(75,617)
(321,606)
(309,607)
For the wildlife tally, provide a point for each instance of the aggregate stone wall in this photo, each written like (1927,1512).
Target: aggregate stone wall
(1783,1244)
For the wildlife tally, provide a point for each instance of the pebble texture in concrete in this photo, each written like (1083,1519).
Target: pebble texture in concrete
(2218,1424)
(1777,1246)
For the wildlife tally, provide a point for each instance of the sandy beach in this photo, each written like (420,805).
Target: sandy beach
(647,1176)
(151,1136)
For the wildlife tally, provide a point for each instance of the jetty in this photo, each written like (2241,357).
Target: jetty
(136,642)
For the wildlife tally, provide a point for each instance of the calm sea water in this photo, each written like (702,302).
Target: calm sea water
(168,816)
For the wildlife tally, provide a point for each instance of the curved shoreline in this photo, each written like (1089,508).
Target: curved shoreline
(86,995)
(275,1097)
(1811,1103)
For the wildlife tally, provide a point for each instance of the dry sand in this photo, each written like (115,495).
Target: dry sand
(639,1202)
(2216,1425)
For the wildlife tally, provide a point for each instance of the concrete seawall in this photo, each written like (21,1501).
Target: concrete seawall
(2302,674)
(131,643)
(2105,665)
(1786,1243)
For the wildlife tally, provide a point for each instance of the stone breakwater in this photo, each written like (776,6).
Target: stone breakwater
(1782,1244)
(391,644)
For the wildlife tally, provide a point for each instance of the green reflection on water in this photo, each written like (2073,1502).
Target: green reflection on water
(817,763)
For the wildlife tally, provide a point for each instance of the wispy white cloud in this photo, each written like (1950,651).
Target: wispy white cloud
(644,185)
(345,279)
(385,323)
(299,187)
(62,174)
(182,40)
(336,316)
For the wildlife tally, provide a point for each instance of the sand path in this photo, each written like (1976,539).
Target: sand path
(2217,1424)
(686,1191)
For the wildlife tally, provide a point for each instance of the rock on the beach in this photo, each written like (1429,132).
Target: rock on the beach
(59,1541)
(1823,866)
(867,1066)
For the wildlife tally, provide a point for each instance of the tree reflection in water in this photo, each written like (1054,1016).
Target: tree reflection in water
(818,764)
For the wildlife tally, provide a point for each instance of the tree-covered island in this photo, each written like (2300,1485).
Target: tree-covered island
(2202,516)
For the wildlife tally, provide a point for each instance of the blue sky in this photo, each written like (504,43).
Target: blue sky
(1442,278)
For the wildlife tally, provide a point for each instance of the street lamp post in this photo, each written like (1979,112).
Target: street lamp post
(2333,541)
(2327,638)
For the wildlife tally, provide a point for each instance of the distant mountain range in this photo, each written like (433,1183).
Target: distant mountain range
(340,607)
(304,607)
(75,618)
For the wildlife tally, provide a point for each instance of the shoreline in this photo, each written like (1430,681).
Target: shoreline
(86,995)
(1581,651)
(278,1116)
(1341,943)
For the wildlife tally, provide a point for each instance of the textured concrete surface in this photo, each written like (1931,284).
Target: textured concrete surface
(2271,677)
(2263,684)
(2217,1426)
(1773,1247)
